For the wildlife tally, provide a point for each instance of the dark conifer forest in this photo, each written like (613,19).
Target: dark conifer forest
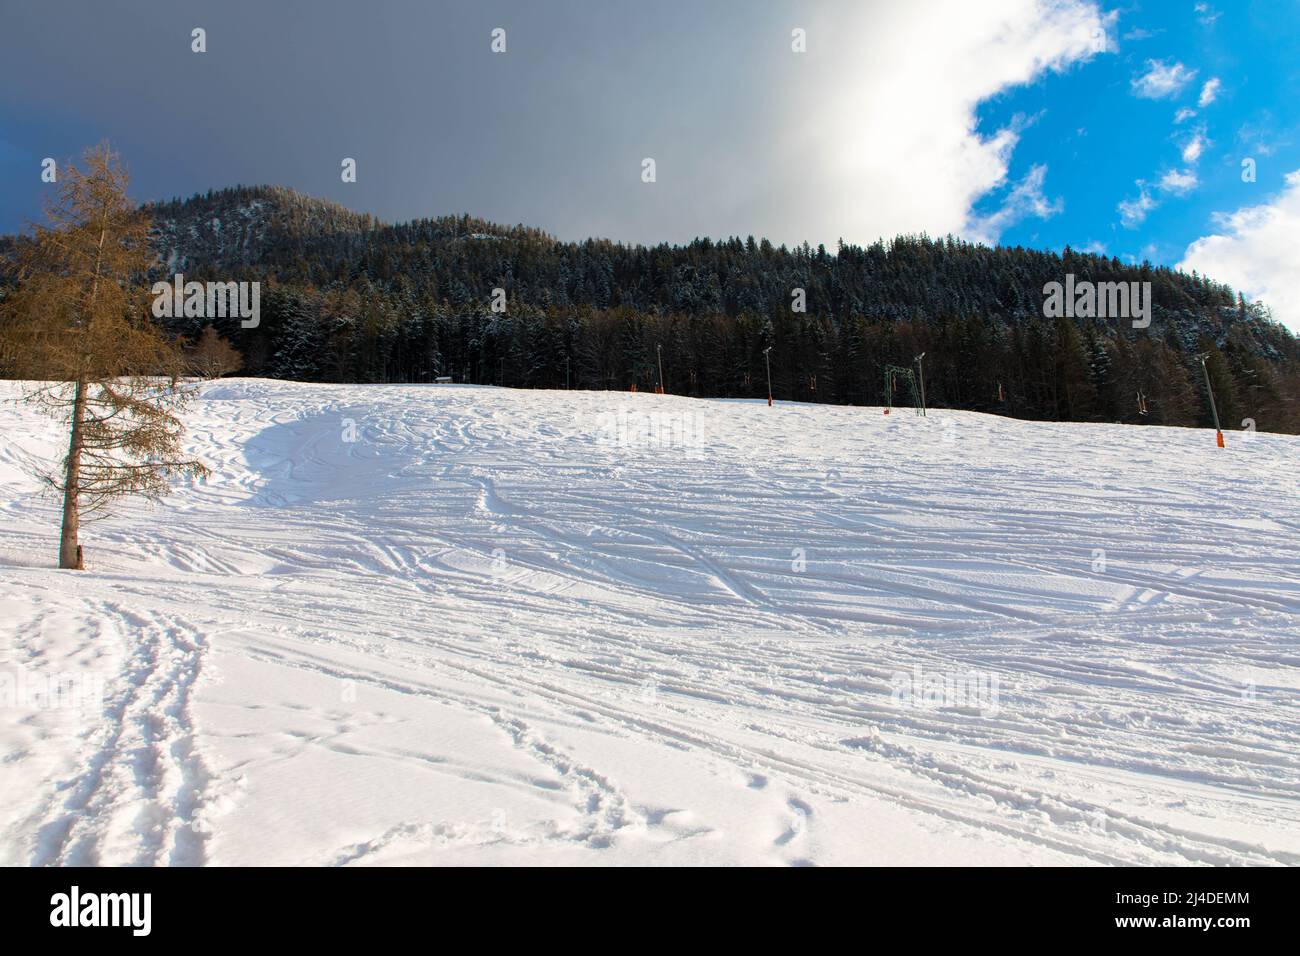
(346,298)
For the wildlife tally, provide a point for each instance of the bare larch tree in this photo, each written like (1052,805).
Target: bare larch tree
(78,327)
(212,356)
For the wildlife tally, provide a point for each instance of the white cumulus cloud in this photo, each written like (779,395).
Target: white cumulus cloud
(1179,181)
(1195,146)
(1206,14)
(1162,80)
(1257,251)
(1025,199)
(1133,212)
(1209,92)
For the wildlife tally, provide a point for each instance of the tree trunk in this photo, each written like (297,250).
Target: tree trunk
(69,549)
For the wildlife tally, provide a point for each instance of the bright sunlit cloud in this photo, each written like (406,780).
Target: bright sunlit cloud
(1257,251)
(896,149)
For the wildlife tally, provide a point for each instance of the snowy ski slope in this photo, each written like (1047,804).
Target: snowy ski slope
(471,625)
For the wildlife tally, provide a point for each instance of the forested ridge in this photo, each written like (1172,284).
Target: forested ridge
(346,298)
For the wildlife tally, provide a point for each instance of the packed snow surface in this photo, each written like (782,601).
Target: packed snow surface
(463,625)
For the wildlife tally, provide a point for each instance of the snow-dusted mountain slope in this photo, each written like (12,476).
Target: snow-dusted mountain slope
(470,625)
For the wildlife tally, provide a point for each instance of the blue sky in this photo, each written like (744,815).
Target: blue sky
(1034,122)
(1100,136)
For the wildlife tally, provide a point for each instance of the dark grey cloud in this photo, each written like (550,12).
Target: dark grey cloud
(870,133)
(551,133)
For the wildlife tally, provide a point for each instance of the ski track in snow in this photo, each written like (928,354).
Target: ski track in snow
(484,632)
